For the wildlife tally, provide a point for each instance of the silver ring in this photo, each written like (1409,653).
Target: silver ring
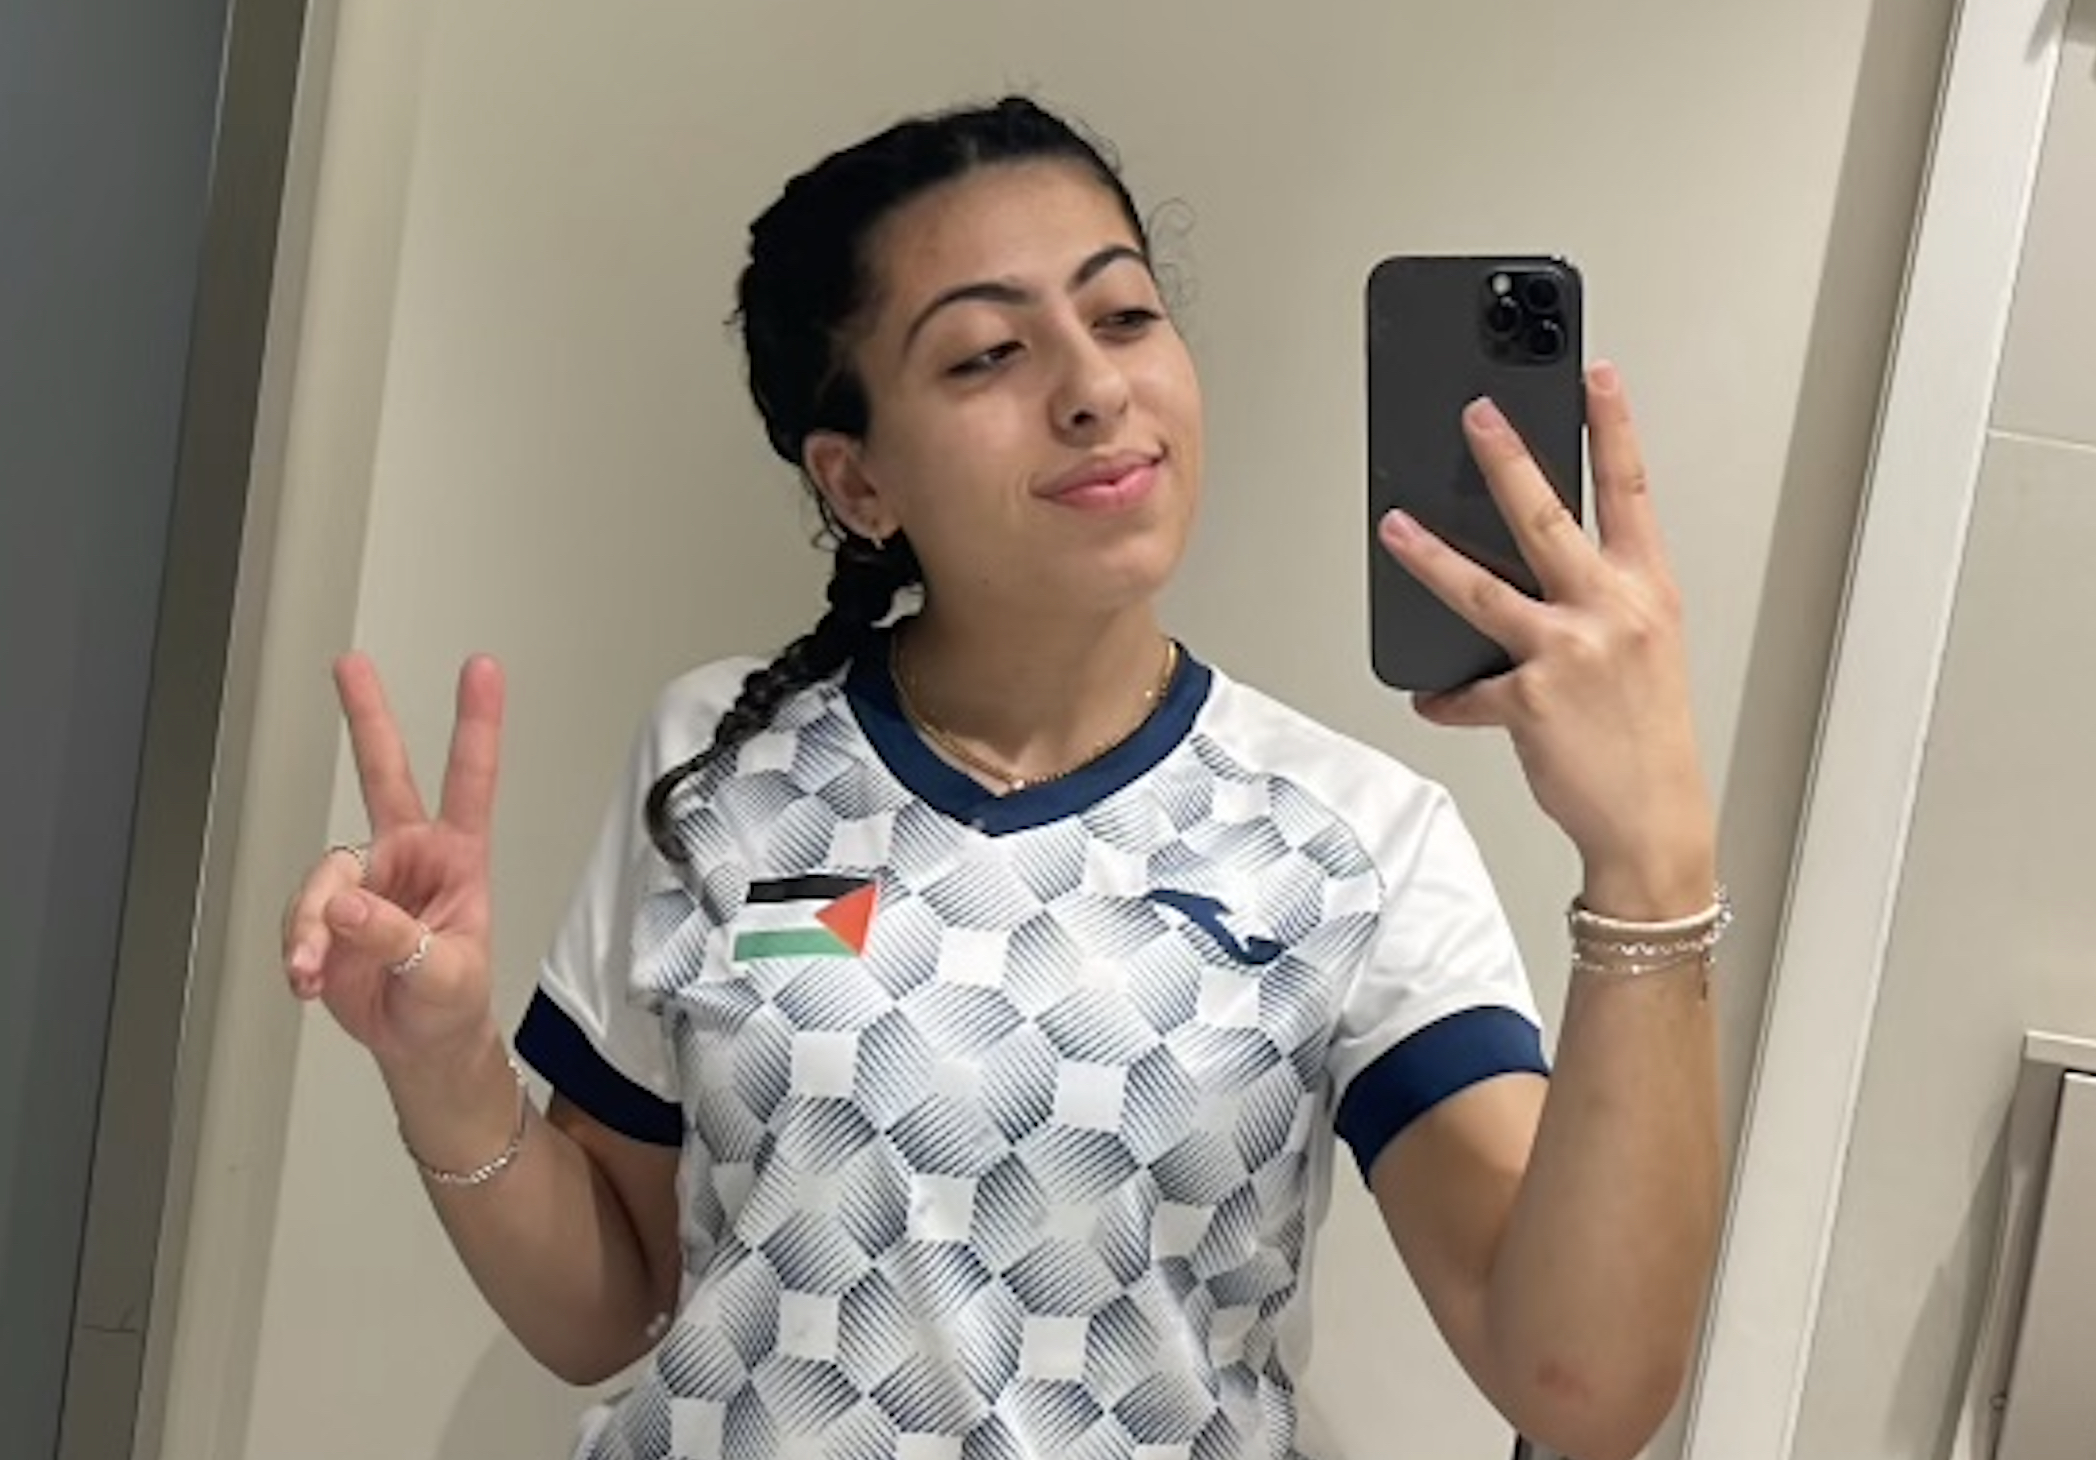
(413,961)
(362,853)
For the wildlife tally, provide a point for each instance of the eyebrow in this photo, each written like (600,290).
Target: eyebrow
(998,291)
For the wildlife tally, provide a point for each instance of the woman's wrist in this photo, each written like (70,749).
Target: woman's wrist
(432,1065)
(1667,878)
(457,1103)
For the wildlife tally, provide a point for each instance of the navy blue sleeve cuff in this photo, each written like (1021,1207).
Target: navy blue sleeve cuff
(556,1047)
(1443,1059)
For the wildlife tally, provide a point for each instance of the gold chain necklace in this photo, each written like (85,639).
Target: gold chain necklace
(905,683)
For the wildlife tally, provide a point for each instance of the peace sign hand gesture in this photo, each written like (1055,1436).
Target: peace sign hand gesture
(394,938)
(1597,704)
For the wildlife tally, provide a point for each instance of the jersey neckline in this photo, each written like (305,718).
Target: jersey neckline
(870,690)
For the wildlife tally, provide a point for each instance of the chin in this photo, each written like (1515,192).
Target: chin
(1122,560)
(1134,572)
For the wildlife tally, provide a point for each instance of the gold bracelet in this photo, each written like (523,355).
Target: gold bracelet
(487,1170)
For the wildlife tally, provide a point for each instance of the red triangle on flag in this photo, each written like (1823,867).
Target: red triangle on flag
(851,916)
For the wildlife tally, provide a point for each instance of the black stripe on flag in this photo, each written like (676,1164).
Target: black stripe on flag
(806,889)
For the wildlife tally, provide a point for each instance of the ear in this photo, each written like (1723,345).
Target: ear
(834,463)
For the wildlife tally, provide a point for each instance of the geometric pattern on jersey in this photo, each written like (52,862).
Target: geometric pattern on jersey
(1025,1164)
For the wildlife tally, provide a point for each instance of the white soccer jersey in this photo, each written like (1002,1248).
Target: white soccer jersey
(1007,1120)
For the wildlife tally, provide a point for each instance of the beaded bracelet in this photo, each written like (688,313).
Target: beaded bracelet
(487,1170)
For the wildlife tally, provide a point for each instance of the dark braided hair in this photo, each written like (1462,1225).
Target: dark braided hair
(804,295)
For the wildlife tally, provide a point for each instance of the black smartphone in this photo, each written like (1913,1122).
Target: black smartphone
(1442,331)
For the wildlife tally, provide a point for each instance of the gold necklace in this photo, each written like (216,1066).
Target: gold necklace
(905,683)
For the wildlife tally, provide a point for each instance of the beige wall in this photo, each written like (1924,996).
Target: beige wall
(516,424)
(1994,922)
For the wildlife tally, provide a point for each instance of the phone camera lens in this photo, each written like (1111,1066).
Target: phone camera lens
(1546,340)
(1541,294)
(1503,318)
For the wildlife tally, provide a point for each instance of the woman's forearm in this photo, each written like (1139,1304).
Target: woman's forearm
(1600,1276)
(546,1239)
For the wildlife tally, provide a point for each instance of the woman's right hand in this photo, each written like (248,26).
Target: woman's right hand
(351,932)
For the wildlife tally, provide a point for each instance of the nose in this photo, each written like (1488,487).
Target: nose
(1093,393)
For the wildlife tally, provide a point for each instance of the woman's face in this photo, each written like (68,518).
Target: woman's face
(1035,416)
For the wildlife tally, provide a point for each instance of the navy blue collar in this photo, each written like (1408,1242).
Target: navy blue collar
(870,689)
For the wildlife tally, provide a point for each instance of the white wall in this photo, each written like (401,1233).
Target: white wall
(517,424)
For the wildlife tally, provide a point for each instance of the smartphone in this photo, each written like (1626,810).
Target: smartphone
(1442,331)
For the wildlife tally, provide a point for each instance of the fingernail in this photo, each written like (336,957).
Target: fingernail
(1399,526)
(1484,417)
(1604,377)
(305,958)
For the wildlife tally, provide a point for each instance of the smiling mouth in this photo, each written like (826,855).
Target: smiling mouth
(1118,483)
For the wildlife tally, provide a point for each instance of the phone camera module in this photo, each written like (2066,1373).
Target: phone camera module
(1523,314)
(1504,318)
(1541,294)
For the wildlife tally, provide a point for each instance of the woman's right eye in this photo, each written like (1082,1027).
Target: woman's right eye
(985,361)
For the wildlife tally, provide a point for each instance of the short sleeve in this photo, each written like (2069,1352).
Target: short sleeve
(589,1030)
(1442,1000)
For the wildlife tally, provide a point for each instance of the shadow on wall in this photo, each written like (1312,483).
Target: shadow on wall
(512,1409)
(1862,276)
(2049,24)
(1964,1278)
(2080,28)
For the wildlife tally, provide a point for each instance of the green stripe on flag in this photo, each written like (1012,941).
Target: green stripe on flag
(789,943)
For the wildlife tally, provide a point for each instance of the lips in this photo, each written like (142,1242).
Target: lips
(1107,481)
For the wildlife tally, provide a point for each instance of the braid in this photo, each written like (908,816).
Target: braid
(863,585)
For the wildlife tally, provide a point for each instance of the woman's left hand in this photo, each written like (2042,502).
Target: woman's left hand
(1597,703)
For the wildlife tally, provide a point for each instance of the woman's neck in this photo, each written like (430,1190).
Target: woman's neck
(1034,699)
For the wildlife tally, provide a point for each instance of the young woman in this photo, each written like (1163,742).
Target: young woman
(949,1033)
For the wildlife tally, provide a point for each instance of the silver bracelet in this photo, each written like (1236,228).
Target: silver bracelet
(1639,968)
(488,1170)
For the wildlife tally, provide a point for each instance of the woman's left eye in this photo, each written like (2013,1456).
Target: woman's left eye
(1130,321)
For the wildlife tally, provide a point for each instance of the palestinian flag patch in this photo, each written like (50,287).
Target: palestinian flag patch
(806,917)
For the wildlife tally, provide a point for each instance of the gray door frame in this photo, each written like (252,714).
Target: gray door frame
(143,146)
